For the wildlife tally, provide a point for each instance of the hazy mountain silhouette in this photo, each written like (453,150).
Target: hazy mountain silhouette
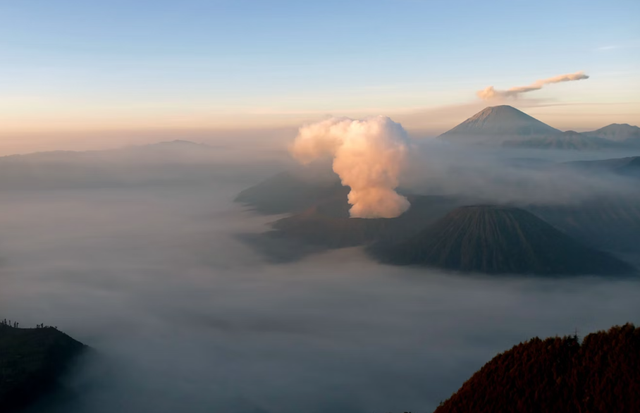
(609,223)
(618,132)
(158,164)
(511,127)
(169,150)
(563,140)
(496,239)
(291,192)
(497,124)
(320,218)
(629,166)
(328,223)
(31,361)
(557,375)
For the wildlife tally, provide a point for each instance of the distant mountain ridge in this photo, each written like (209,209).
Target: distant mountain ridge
(507,126)
(176,146)
(289,191)
(563,140)
(320,214)
(163,163)
(629,166)
(617,132)
(329,225)
(615,163)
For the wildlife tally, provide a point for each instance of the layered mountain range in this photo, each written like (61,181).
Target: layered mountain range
(164,163)
(443,232)
(464,232)
(507,126)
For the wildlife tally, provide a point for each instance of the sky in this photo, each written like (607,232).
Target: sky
(86,68)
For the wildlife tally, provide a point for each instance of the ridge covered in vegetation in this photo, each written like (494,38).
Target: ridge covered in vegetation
(601,374)
(31,361)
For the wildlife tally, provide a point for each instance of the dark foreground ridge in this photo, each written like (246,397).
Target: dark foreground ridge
(557,375)
(31,361)
(497,239)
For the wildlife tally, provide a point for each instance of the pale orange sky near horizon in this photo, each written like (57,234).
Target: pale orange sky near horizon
(52,122)
(78,75)
(69,133)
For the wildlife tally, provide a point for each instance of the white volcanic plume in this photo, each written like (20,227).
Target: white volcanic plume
(368,156)
(489,93)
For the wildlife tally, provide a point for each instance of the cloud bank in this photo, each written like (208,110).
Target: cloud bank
(489,93)
(368,156)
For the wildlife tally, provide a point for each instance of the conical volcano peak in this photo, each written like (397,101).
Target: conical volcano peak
(498,111)
(500,239)
(498,123)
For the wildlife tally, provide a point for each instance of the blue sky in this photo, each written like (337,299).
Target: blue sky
(136,64)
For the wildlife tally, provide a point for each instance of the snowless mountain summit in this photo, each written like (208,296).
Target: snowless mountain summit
(617,132)
(496,124)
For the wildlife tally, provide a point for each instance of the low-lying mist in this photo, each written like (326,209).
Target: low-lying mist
(183,316)
(517,176)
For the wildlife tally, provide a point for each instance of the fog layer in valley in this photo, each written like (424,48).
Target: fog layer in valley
(520,176)
(183,316)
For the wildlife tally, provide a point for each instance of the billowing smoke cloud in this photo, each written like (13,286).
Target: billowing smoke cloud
(490,93)
(368,156)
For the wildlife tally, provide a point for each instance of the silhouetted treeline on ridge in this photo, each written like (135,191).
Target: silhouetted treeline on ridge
(31,361)
(601,374)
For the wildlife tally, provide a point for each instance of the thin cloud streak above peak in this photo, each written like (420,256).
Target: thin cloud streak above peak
(490,93)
